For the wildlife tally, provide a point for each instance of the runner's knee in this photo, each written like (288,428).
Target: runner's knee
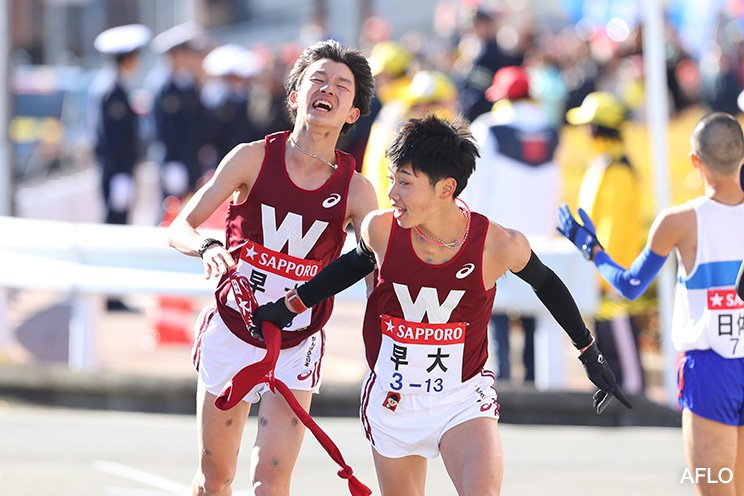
(215,481)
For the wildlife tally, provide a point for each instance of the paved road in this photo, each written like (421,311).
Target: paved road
(59,452)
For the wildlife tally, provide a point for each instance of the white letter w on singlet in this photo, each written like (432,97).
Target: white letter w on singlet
(427,303)
(289,232)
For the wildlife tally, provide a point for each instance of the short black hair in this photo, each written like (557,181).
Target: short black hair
(717,139)
(437,147)
(364,83)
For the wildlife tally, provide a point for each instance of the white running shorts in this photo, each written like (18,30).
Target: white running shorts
(413,424)
(219,355)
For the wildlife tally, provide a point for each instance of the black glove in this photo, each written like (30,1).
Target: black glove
(599,372)
(275,312)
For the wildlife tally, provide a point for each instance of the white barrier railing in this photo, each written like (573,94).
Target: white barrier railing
(90,260)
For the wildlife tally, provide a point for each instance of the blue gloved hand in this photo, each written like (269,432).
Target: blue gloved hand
(584,236)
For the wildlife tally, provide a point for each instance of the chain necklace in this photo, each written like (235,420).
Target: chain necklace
(311,154)
(453,244)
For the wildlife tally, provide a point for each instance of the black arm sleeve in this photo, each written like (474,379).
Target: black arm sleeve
(740,278)
(557,299)
(338,275)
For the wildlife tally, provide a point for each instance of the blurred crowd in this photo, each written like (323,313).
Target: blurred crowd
(519,83)
(237,92)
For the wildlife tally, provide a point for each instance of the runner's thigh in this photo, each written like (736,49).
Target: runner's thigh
(405,476)
(219,434)
(279,438)
(473,456)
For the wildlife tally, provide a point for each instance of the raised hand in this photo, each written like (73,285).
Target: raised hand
(584,236)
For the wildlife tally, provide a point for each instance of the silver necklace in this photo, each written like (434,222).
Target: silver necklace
(311,154)
(454,244)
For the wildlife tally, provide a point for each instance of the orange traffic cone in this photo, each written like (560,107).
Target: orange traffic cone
(171,319)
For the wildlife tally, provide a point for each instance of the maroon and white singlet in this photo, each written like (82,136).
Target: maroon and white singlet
(426,326)
(282,236)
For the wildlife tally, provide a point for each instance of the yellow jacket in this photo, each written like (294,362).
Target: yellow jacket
(610,194)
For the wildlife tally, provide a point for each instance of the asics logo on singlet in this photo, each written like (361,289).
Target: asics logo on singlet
(289,232)
(635,282)
(331,200)
(466,270)
(427,304)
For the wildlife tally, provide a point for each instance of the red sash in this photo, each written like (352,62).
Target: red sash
(263,371)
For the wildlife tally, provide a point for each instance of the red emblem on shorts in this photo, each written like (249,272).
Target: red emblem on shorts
(392,400)
(304,375)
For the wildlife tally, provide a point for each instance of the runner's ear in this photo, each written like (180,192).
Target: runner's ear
(292,99)
(353,115)
(449,184)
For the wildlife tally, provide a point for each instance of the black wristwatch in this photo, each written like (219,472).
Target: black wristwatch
(206,244)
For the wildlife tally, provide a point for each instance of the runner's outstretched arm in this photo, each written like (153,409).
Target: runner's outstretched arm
(631,282)
(551,291)
(334,278)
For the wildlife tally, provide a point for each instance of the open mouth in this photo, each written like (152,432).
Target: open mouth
(323,105)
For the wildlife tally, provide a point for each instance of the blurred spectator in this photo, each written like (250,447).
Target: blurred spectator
(489,58)
(267,103)
(390,64)
(428,92)
(547,86)
(375,30)
(610,194)
(225,97)
(579,70)
(114,122)
(180,117)
(516,181)
(720,81)
(682,77)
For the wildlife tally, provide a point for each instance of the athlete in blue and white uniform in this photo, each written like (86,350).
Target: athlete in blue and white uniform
(707,234)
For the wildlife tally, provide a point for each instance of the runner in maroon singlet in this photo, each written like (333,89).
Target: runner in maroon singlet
(292,197)
(425,329)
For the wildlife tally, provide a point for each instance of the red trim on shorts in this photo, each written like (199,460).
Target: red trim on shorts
(497,405)
(489,373)
(365,404)
(681,375)
(206,318)
(318,364)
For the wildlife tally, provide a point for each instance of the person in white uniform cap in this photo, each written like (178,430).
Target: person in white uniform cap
(114,124)
(226,97)
(180,117)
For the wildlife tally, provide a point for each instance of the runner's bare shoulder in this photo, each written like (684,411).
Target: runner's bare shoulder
(241,166)
(674,224)
(376,231)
